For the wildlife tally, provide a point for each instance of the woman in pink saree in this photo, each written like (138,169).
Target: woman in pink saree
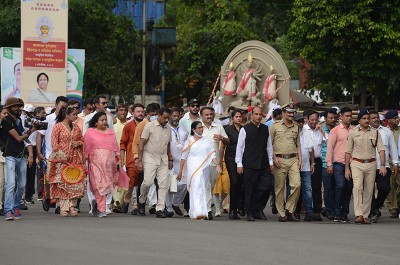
(102,152)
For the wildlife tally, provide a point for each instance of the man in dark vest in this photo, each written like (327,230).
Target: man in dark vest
(253,158)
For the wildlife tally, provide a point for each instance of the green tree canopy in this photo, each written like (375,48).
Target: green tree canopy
(350,44)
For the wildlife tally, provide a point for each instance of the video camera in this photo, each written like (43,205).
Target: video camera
(37,122)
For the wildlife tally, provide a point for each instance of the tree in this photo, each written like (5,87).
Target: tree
(110,42)
(350,44)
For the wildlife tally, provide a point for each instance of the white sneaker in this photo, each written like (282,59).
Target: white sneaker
(108,210)
(217,213)
(102,214)
(185,213)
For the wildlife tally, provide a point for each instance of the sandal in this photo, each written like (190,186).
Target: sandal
(73,211)
(63,213)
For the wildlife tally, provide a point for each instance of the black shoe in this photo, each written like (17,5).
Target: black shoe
(95,210)
(210,216)
(262,216)
(345,219)
(23,207)
(274,210)
(29,200)
(78,206)
(134,212)
(125,207)
(1,211)
(378,212)
(250,218)
(374,218)
(308,217)
(177,210)
(141,209)
(117,209)
(233,215)
(393,214)
(323,213)
(168,213)
(330,217)
(256,215)
(152,210)
(46,205)
(241,212)
(337,219)
(160,214)
(57,210)
(317,217)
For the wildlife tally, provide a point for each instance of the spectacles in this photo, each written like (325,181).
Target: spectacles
(194,106)
(104,103)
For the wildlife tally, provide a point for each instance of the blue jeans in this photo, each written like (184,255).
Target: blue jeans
(15,182)
(343,190)
(306,190)
(329,192)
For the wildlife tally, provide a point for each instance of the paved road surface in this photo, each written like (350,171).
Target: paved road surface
(45,238)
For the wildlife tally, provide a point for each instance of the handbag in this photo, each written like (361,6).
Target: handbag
(173,186)
(72,174)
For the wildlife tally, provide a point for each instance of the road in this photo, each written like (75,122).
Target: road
(45,238)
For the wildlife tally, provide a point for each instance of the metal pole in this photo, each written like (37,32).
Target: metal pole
(144,54)
(163,78)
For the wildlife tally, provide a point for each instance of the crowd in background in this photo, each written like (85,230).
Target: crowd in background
(192,164)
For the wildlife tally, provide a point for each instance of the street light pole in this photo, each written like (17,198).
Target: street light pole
(144,54)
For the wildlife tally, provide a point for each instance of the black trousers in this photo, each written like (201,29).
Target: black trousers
(383,186)
(316,184)
(30,176)
(236,182)
(258,184)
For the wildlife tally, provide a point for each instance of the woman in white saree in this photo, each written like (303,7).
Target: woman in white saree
(197,155)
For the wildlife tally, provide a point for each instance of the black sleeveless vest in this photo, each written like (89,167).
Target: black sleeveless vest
(255,154)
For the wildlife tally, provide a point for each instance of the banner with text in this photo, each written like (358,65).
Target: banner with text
(11,74)
(44,36)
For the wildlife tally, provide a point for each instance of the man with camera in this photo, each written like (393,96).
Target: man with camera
(37,121)
(17,148)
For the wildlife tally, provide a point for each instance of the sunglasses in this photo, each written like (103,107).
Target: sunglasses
(194,106)
(104,103)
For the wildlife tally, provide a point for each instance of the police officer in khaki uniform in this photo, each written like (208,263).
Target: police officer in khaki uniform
(285,137)
(361,145)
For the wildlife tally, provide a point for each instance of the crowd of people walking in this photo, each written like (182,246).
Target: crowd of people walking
(190,163)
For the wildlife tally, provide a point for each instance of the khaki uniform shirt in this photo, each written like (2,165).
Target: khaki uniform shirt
(156,147)
(285,139)
(361,144)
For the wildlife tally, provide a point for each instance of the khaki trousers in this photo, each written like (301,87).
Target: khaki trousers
(150,172)
(392,201)
(363,175)
(288,167)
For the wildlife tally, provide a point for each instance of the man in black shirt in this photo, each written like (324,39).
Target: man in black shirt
(15,154)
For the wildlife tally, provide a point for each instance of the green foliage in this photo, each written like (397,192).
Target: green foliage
(10,23)
(351,44)
(110,42)
(208,30)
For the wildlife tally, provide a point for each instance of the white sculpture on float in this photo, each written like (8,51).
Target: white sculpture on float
(270,86)
(229,84)
(249,78)
(217,103)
